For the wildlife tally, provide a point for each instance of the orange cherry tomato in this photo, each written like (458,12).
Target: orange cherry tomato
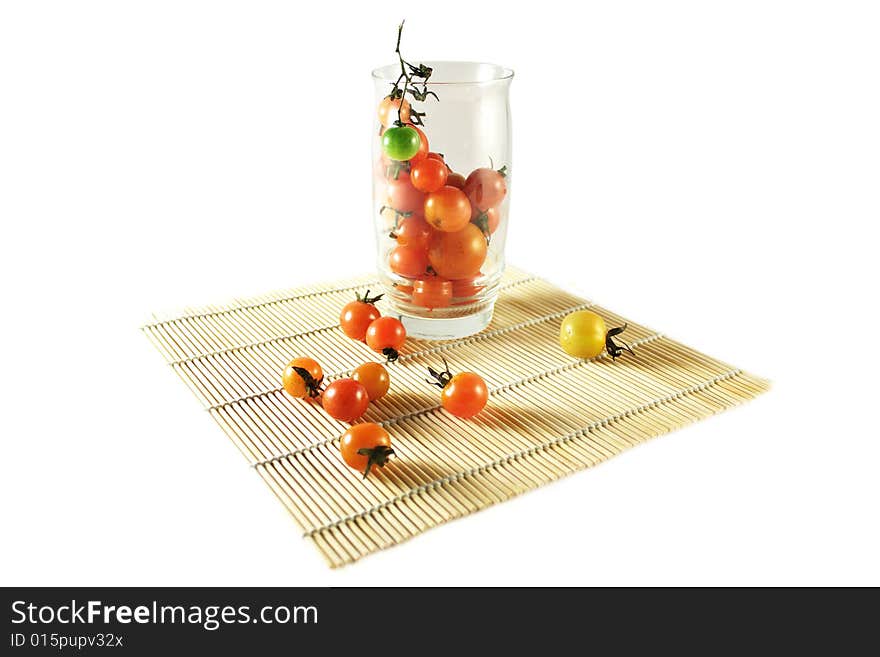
(486,188)
(458,255)
(422,153)
(466,287)
(357,315)
(408,261)
(447,209)
(413,231)
(429,175)
(464,395)
(386,335)
(402,196)
(486,221)
(455,180)
(388,111)
(302,378)
(433,292)
(365,445)
(374,377)
(345,400)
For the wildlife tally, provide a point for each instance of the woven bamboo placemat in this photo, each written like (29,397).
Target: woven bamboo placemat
(548,414)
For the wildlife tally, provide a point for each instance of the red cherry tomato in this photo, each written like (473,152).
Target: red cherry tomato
(357,315)
(413,231)
(408,261)
(447,209)
(402,196)
(345,400)
(466,287)
(458,255)
(423,145)
(365,445)
(485,188)
(429,175)
(455,180)
(433,292)
(386,335)
(486,221)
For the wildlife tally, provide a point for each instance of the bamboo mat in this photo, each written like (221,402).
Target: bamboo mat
(548,414)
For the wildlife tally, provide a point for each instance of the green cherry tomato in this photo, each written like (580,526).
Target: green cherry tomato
(401,143)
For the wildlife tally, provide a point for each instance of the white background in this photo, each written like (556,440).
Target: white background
(709,169)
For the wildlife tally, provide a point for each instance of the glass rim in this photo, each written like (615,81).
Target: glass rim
(502,73)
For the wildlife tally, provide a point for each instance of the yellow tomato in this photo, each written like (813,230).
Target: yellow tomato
(582,334)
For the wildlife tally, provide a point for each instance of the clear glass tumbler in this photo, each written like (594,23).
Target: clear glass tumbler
(440,234)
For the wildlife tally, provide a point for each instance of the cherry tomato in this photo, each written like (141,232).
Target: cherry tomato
(408,261)
(486,188)
(429,175)
(486,221)
(422,152)
(436,156)
(466,287)
(433,292)
(357,315)
(388,111)
(413,231)
(464,395)
(302,377)
(365,445)
(402,196)
(458,255)
(374,377)
(386,335)
(447,209)
(345,400)
(455,180)
(583,334)
(401,143)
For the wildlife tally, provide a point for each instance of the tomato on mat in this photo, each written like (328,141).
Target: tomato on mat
(433,292)
(401,142)
(374,378)
(458,255)
(408,261)
(429,175)
(447,209)
(357,315)
(464,395)
(345,400)
(583,334)
(302,377)
(386,335)
(365,445)
(486,187)
(388,111)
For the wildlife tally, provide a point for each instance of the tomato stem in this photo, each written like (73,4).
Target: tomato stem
(377,455)
(440,379)
(420,71)
(614,350)
(314,385)
(367,298)
(391,354)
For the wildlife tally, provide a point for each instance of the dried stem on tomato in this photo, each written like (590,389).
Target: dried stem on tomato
(367,298)
(614,350)
(314,385)
(378,455)
(440,379)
